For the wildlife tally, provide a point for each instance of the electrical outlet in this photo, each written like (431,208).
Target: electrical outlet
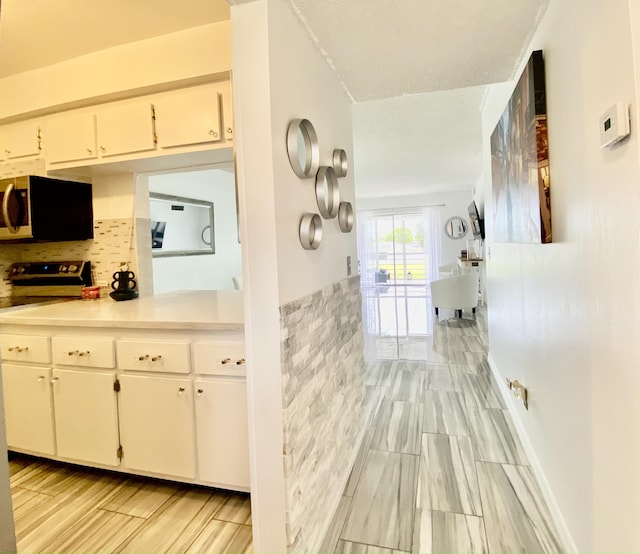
(519,391)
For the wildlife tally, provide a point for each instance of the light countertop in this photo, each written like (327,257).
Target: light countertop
(206,310)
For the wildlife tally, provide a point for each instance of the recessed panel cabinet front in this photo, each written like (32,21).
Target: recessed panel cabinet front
(157,429)
(70,137)
(221,420)
(28,408)
(190,116)
(125,129)
(86,416)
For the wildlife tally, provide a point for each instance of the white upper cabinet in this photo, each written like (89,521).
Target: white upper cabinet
(125,128)
(188,116)
(20,139)
(71,137)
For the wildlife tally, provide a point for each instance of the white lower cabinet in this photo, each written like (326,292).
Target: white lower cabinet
(221,422)
(28,408)
(86,416)
(157,430)
(171,404)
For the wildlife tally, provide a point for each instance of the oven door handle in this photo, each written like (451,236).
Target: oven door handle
(5,208)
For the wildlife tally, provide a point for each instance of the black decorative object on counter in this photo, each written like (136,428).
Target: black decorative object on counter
(124,286)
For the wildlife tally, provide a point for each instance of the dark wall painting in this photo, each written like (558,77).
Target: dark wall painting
(520,162)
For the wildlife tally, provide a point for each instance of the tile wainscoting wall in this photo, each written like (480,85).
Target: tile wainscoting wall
(323,403)
(114,242)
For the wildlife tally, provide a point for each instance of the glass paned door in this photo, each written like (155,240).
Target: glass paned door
(396,266)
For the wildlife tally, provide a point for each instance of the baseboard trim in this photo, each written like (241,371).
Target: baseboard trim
(568,542)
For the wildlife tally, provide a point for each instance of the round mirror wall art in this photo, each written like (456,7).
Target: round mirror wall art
(456,227)
(302,148)
(345,217)
(327,192)
(340,164)
(310,231)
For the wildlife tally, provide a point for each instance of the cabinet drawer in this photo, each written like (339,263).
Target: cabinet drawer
(86,352)
(219,358)
(166,357)
(26,348)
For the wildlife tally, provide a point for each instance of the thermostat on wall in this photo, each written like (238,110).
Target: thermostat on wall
(614,124)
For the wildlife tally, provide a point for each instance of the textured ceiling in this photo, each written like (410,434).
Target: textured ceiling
(418,144)
(388,48)
(37,33)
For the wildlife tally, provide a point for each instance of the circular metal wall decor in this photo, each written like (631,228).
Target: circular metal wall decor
(345,217)
(327,192)
(310,231)
(340,164)
(456,227)
(302,148)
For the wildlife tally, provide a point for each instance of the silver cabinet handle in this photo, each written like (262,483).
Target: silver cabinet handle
(225,361)
(213,133)
(143,358)
(241,361)
(85,353)
(156,358)
(200,392)
(229,130)
(5,207)
(181,390)
(41,378)
(54,379)
(73,353)
(89,151)
(103,149)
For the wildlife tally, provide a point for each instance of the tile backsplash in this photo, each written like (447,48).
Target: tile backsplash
(114,242)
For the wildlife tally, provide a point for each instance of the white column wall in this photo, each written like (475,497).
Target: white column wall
(561,316)
(278,76)
(303,86)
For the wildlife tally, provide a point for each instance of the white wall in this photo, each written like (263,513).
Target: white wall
(202,272)
(450,204)
(303,85)
(145,64)
(277,76)
(562,316)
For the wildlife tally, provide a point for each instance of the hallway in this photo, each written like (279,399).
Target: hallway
(441,468)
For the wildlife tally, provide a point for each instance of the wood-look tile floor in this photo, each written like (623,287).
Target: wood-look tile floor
(64,508)
(441,468)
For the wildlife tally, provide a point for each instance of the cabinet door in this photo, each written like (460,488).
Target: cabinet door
(157,430)
(125,129)
(20,139)
(86,416)
(28,408)
(221,422)
(190,116)
(71,137)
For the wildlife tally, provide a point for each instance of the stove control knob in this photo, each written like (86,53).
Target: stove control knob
(73,268)
(64,268)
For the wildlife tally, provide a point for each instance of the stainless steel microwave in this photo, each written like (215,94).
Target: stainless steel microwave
(44,209)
